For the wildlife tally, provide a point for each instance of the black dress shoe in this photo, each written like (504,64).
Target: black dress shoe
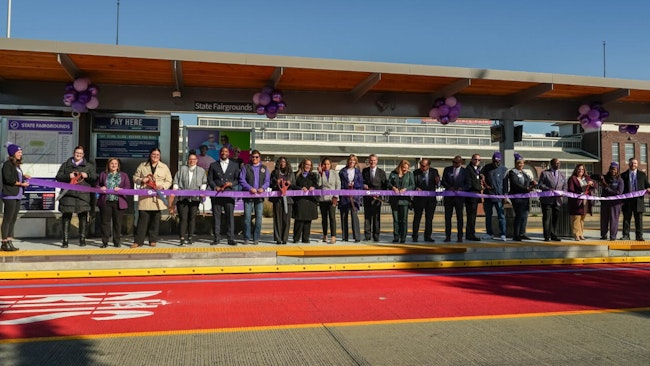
(395,240)
(555,238)
(189,242)
(547,239)
(625,237)
(116,245)
(231,242)
(64,245)
(402,240)
(367,238)
(460,240)
(603,238)
(215,241)
(104,245)
(415,239)
(525,237)
(447,240)
(430,240)
(639,238)
(474,239)
(356,240)
(516,238)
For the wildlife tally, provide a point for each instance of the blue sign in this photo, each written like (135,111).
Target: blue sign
(125,146)
(123,123)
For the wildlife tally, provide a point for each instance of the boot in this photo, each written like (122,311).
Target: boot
(11,245)
(83,229)
(5,247)
(66,231)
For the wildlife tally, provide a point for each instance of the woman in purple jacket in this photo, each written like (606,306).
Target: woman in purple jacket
(111,204)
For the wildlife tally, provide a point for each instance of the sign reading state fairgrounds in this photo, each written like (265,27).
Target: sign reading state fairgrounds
(231,107)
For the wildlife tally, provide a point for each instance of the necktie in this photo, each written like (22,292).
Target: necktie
(426,178)
(455,172)
(633,181)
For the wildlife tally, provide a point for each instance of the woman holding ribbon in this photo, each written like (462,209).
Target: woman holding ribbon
(152,175)
(111,204)
(579,183)
(79,171)
(14,182)
(282,179)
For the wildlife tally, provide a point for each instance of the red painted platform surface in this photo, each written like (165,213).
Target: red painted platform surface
(78,307)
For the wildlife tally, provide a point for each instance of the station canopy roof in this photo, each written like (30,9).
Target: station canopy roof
(33,73)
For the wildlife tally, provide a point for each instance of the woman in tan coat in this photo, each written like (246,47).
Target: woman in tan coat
(151,172)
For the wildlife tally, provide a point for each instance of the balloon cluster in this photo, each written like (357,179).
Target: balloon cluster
(81,95)
(592,116)
(445,110)
(269,102)
(631,129)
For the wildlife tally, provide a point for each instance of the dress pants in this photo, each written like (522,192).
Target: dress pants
(281,221)
(521,206)
(550,220)
(627,222)
(187,211)
(356,229)
(148,225)
(111,221)
(372,219)
(451,204)
(426,205)
(471,206)
(609,214)
(227,205)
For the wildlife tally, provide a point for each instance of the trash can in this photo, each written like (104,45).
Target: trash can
(564,224)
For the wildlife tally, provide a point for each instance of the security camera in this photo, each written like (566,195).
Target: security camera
(176,94)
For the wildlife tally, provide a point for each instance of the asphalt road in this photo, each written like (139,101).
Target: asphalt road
(568,315)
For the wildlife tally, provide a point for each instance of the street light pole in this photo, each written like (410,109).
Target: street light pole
(9,19)
(117,25)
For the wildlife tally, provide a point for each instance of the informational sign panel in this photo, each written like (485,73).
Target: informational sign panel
(125,145)
(38,198)
(43,141)
(125,123)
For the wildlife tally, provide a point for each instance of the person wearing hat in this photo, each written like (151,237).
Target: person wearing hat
(80,169)
(495,175)
(13,184)
(610,210)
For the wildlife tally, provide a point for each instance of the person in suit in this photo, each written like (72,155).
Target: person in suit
(305,207)
(373,178)
(282,177)
(552,179)
(495,175)
(579,183)
(254,178)
(14,182)
(400,180)
(454,179)
(634,180)
(350,177)
(426,179)
(223,176)
(328,179)
(150,207)
(189,177)
(610,210)
(111,204)
(519,183)
(474,184)
(76,201)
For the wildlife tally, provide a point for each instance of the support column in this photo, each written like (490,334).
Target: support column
(507,147)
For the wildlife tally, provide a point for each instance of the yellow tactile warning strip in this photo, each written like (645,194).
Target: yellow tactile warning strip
(630,247)
(331,251)
(137,272)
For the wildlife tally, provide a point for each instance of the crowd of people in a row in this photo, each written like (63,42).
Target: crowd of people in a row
(226,175)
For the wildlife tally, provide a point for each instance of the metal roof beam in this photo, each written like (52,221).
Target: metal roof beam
(611,96)
(363,87)
(451,89)
(68,65)
(276,76)
(528,94)
(177,70)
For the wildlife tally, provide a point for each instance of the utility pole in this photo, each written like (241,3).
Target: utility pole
(9,19)
(117,26)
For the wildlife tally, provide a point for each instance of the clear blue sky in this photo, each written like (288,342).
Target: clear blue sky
(552,36)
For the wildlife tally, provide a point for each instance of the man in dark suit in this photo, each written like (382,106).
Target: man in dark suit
(551,179)
(634,180)
(426,179)
(373,178)
(474,184)
(223,175)
(454,179)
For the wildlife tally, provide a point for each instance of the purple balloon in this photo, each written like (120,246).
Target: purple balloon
(276,96)
(604,114)
(595,124)
(271,115)
(267,90)
(69,86)
(433,113)
(272,108)
(78,107)
(265,99)
(256,98)
(439,102)
(93,103)
(93,89)
(444,120)
(69,97)
(593,114)
(451,101)
(443,110)
(84,96)
(622,128)
(81,84)
(260,110)
(632,129)
(584,109)
(282,106)
(584,119)
(454,113)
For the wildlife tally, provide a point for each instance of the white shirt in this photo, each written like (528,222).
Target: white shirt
(224,164)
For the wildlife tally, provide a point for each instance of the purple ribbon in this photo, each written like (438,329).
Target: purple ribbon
(334,192)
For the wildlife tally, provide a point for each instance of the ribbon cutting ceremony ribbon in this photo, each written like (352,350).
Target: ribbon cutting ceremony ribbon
(320,192)
(284,186)
(159,193)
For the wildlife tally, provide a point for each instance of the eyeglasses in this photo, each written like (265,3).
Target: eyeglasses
(476,159)
(255,156)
